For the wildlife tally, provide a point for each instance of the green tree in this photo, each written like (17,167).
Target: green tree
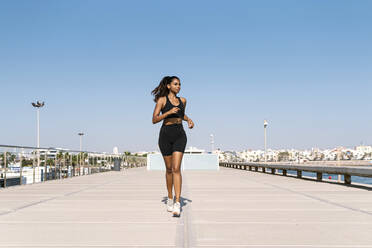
(74,158)
(322,156)
(27,162)
(60,155)
(283,156)
(50,162)
(10,158)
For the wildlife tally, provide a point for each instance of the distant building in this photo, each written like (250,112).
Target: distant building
(364,149)
(142,153)
(115,151)
(194,150)
(51,154)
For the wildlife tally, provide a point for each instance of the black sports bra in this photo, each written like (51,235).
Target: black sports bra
(168,106)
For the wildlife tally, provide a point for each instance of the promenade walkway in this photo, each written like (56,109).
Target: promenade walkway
(226,208)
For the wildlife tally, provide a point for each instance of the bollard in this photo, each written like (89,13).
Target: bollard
(299,174)
(319,176)
(347,179)
(116,164)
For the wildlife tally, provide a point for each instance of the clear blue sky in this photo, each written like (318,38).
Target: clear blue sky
(306,66)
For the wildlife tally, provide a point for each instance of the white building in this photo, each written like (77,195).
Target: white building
(364,149)
(51,154)
(115,150)
(194,150)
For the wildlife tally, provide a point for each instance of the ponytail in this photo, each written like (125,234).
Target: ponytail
(162,89)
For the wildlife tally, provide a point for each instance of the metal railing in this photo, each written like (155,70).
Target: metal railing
(346,171)
(21,165)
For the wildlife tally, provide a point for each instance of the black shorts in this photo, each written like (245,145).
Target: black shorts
(172,138)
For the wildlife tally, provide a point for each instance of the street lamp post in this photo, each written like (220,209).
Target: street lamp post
(38,105)
(212,143)
(265,126)
(81,153)
(81,140)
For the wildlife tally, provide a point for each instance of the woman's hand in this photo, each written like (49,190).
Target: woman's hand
(191,123)
(174,110)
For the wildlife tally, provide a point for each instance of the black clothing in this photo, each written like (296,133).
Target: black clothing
(168,106)
(172,138)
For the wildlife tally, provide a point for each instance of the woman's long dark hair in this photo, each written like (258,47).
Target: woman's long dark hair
(162,89)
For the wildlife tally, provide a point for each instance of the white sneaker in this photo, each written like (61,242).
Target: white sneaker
(169,205)
(176,209)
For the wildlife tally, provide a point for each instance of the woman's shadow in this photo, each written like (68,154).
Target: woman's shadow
(184,201)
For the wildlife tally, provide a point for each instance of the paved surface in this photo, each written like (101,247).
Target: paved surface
(228,208)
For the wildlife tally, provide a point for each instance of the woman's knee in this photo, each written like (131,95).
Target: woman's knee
(169,170)
(176,170)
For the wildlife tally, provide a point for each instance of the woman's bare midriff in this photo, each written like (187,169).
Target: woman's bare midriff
(171,121)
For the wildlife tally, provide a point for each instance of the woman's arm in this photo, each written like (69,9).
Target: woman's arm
(156,117)
(185,117)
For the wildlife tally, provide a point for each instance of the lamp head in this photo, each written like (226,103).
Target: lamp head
(38,104)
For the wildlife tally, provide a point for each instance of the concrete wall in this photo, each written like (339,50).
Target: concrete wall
(189,162)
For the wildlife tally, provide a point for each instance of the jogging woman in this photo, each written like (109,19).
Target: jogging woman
(170,109)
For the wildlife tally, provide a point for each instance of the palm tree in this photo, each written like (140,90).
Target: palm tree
(84,156)
(59,155)
(74,159)
(12,157)
(27,162)
(2,160)
(49,162)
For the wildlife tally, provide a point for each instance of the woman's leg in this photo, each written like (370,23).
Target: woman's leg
(177,178)
(169,175)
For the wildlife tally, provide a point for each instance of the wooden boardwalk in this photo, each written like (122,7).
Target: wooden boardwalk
(226,208)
